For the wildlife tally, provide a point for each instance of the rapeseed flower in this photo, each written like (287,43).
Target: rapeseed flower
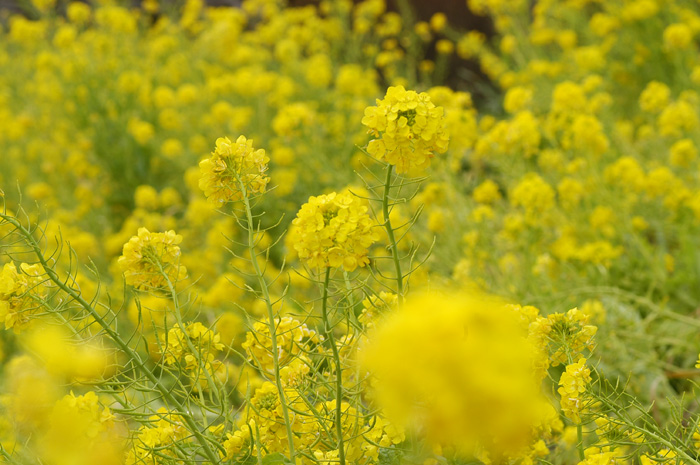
(294,339)
(232,169)
(409,129)
(151,260)
(470,383)
(334,230)
(20,294)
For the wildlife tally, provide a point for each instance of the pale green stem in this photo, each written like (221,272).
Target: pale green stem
(271,319)
(579,434)
(390,232)
(195,351)
(328,330)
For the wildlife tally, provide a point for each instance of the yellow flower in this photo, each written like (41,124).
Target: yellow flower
(676,118)
(201,366)
(334,230)
(152,442)
(573,383)
(678,36)
(293,340)
(375,306)
(17,291)
(265,420)
(683,152)
(517,99)
(231,168)
(205,341)
(655,96)
(533,194)
(81,432)
(149,260)
(409,129)
(487,192)
(141,131)
(469,383)
(78,12)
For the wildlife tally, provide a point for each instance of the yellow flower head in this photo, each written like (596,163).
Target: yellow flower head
(81,431)
(149,260)
(176,346)
(409,129)
(573,384)
(458,368)
(16,290)
(232,168)
(334,230)
(293,340)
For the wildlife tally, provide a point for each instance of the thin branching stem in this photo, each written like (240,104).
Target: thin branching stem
(328,330)
(270,317)
(114,336)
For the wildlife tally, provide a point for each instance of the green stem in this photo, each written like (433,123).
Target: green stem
(328,330)
(579,434)
(193,350)
(271,320)
(390,232)
(114,336)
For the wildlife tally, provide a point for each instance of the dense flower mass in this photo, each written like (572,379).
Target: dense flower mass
(334,231)
(231,168)
(151,260)
(571,178)
(409,129)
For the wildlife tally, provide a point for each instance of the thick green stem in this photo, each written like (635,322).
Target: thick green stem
(390,232)
(579,434)
(271,320)
(114,336)
(328,330)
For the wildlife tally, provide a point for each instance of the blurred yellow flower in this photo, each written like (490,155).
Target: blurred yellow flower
(469,382)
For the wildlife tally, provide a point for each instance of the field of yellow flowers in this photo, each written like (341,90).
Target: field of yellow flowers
(277,235)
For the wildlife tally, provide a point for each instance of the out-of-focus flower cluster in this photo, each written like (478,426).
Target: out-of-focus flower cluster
(232,167)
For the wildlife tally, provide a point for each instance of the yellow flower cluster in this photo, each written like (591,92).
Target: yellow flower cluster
(572,386)
(364,437)
(157,440)
(409,129)
(469,383)
(232,169)
(333,231)
(152,260)
(265,421)
(81,432)
(564,335)
(20,294)
(373,307)
(294,340)
(194,352)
